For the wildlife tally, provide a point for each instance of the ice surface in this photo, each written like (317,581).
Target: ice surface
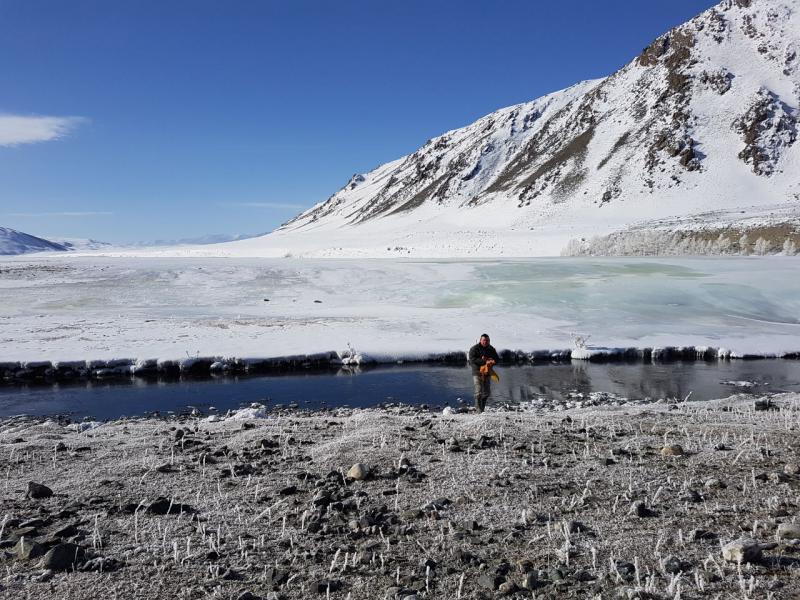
(70,308)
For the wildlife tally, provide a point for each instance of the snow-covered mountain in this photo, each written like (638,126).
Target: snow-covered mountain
(81,245)
(16,242)
(703,122)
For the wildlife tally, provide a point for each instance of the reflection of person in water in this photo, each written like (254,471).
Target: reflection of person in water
(482,358)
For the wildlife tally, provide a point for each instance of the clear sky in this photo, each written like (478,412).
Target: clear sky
(127,120)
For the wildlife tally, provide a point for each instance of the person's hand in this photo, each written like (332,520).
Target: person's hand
(490,361)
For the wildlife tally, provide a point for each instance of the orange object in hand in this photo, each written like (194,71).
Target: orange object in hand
(486,370)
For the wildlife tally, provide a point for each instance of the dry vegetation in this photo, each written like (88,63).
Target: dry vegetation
(782,238)
(629,502)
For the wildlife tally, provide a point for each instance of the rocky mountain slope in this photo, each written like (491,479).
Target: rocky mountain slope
(704,121)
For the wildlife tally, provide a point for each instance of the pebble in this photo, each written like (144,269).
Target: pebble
(490,581)
(412,514)
(673,450)
(714,484)
(761,405)
(507,588)
(673,565)
(778,477)
(791,468)
(691,496)
(701,534)
(324,585)
(577,527)
(358,471)
(789,531)
(626,570)
(640,509)
(42,577)
(744,550)
(531,580)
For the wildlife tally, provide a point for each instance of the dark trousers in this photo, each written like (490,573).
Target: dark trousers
(482,391)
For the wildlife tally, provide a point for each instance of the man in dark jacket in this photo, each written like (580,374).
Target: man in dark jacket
(482,353)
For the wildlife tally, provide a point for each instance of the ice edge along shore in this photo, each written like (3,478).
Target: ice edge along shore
(25,371)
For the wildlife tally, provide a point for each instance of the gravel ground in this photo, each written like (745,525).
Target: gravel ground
(609,502)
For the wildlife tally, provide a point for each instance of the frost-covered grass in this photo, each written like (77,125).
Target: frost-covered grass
(582,501)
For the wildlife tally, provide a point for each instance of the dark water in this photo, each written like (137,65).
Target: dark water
(435,386)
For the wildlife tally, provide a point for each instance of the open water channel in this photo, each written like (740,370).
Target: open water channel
(436,386)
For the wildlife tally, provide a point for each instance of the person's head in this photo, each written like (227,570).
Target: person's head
(484,339)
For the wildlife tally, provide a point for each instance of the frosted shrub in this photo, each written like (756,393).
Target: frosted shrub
(744,244)
(667,243)
(579,340)
(574,247)
(761,247)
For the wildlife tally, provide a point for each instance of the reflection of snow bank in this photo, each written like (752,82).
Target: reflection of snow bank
(742,384)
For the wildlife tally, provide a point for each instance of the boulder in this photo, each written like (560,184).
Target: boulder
(27,549)
(62,557)
(37,490)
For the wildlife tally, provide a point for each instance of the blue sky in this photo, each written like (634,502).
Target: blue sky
(171,119)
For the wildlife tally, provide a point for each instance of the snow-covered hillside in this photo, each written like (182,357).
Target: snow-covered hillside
(16,242)
(704,121)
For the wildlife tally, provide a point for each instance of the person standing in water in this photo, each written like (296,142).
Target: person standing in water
(482,357)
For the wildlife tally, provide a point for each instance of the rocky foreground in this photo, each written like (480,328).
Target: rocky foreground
(661,501)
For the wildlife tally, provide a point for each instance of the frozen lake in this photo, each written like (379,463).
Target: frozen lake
(434,386)
(100,307)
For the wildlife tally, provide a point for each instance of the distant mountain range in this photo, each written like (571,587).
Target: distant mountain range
(702,123)
(14,242)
